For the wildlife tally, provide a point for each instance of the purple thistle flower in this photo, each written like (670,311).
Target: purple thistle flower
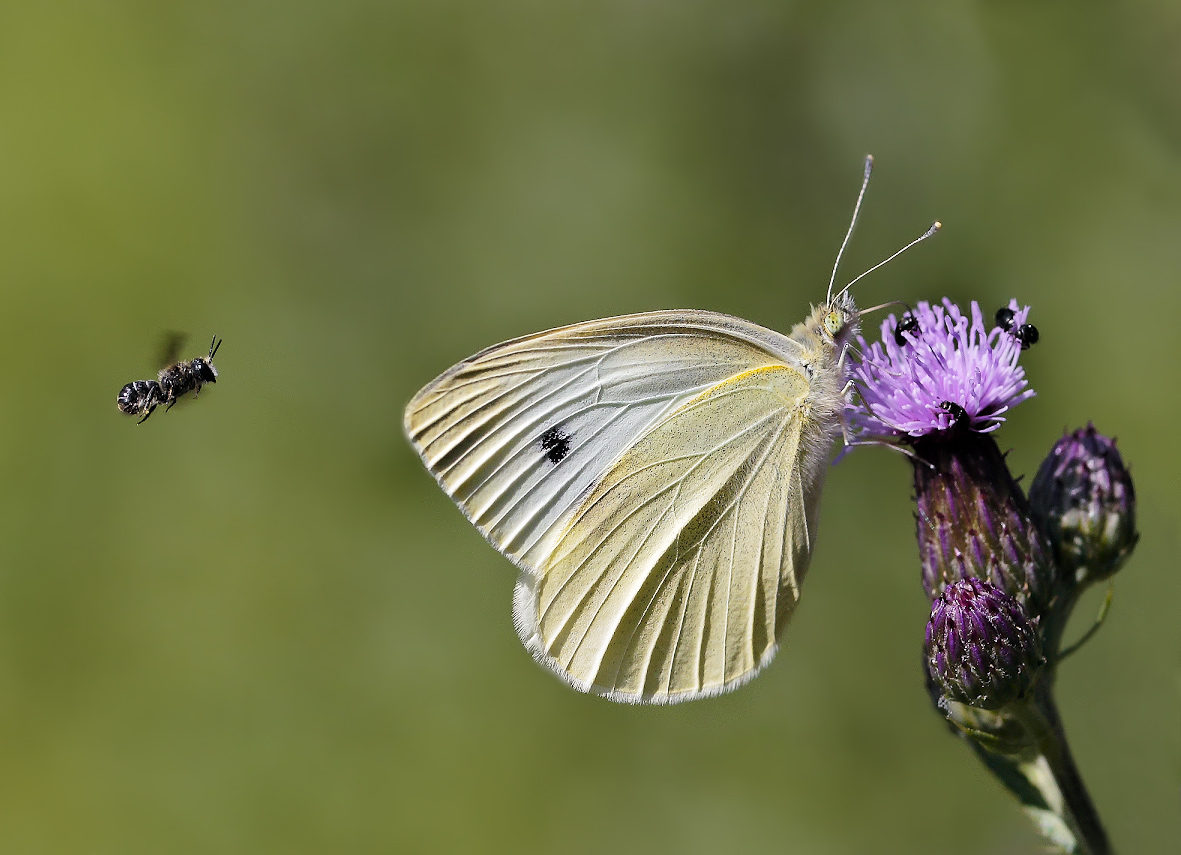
(949,373)
(939,383)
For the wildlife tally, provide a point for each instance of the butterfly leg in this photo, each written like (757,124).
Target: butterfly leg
(888,442)
(851,385)
(845,352)
(893,446)
(860,355)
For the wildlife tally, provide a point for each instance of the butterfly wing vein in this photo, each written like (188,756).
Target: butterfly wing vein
(677,575)
(644,474)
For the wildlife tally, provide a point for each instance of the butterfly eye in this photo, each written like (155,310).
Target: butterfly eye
(832,323)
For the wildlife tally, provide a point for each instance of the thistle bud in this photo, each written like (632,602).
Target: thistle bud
(982,649)
(1083,500)
(973,521)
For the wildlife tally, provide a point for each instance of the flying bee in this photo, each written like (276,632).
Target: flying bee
(174,382)
(1026,334)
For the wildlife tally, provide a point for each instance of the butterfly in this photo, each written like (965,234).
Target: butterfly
(656,479)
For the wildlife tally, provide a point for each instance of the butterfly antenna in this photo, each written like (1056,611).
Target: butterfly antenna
(935,226)
(853,222)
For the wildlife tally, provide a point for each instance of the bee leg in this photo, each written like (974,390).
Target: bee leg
(145,418)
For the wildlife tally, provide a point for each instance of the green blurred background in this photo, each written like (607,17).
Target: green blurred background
(255,625)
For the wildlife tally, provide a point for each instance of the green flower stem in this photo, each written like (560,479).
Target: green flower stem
(1077,808)
(1026,749)
(1037,766)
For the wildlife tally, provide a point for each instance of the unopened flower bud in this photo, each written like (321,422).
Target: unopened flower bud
(973,521)
(982,648)
(1083,500)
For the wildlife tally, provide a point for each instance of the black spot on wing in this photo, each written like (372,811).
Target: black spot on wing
(555,443)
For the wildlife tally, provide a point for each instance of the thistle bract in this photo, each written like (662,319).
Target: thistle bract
(982,648)
(972,520)
(1083,500)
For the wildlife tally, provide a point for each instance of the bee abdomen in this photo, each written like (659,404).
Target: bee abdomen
(139,396)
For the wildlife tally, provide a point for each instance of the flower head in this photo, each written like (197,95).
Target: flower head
(982,648)
(940,382)
(936,370)
(1083,500)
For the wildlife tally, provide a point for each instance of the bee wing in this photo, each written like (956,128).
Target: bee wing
(520,433)
(171,344)
(677,574)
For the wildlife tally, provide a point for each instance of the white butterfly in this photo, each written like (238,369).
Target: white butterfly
(655,477)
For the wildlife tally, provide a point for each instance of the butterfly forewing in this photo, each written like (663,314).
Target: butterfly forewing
(520,433)
(677,574)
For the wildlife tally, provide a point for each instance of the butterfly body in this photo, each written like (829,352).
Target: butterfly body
(655,477)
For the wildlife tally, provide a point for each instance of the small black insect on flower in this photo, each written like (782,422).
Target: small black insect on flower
(1026,334)
(141,397)
(957,416)
(908,323)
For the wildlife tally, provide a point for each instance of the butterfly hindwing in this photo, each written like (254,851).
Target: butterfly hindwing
(677,574)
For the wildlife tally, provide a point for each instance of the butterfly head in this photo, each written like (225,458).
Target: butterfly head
(839,320)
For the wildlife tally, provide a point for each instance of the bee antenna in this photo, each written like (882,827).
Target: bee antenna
(935,226)
(213,346)
(852,223)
